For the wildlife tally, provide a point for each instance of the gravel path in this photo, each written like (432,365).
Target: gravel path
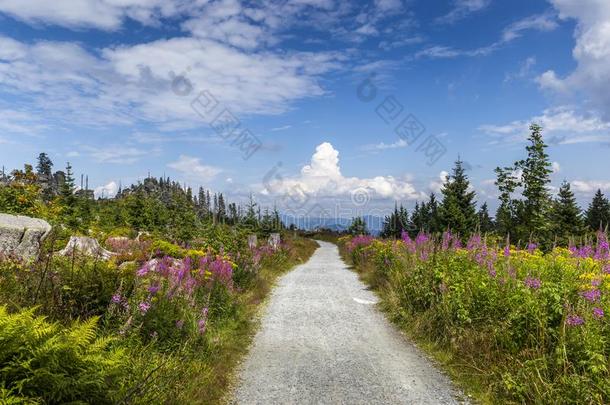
(322,341)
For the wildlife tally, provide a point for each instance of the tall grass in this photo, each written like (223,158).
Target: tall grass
(515,326)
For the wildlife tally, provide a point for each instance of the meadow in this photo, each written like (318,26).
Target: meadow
(153,329)
(511,325)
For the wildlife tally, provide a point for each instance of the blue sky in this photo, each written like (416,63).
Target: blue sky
(109,86)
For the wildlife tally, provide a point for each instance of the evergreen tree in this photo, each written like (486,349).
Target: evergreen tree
(44,171)
(457,211)
(358,227)
(250,219)
(566,216)
(68,200)
(598,213)
(395,223)
(534,215)
(507,183)
(434,225)
(485,223)
(222,210)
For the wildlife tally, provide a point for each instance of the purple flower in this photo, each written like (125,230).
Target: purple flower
(506,251)
(202,325)
(143,271)
(606,269)
(591,295)
(574,320)
(153,289)
(144,306)
(598,312)
(533,283)
(531,247)
(596,282)
(117,299)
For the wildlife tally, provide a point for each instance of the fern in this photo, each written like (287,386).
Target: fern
(40,361)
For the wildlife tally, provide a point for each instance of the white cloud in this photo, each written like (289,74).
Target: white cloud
(107,191)
(556,167)
(524,70)
(401,143)
(561,125)
(592,53)
(101,14)
(117,154)
(192,169)
(282,128)
(590,186)
(322,178)
(126,84)
(437,185)
(539,22)
(20,122)
(462,9)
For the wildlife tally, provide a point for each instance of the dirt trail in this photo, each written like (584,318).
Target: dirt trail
(322,341)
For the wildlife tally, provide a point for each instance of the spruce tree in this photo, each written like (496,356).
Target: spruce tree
(44,171)
(598,213)
(485,223)
(68,200)
(358,227)
(507,183)
(566,216)
(457,211)
(536,170)
(433,222)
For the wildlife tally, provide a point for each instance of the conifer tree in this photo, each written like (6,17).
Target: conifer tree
(566,216)
(358,227)
(68,200)
(598,213)
(536,171)
(44,171)
(457,211)
(433,221)
(507,183)
(485,223)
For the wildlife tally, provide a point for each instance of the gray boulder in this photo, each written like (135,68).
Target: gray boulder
(22,236)
(85,246)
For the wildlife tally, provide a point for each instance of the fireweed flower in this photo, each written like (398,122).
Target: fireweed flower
(606,269)
(143,271)
(144,306)
(533,283)
(506,251)
(153,289)
(574,320)
(598,312)
(531,247)
(117,299)
(591,295)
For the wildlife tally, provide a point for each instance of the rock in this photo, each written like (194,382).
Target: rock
(22,236)
(87,246)
(252,241)
(274,240)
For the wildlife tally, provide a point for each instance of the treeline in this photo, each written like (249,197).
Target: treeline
(153,205)
(527,211)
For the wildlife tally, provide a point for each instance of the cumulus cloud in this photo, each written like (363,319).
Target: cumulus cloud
(117,154)
(107,191)
(322,178)
(191,168)
(437,185)
(592,53)
(561,125)
(590,186)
